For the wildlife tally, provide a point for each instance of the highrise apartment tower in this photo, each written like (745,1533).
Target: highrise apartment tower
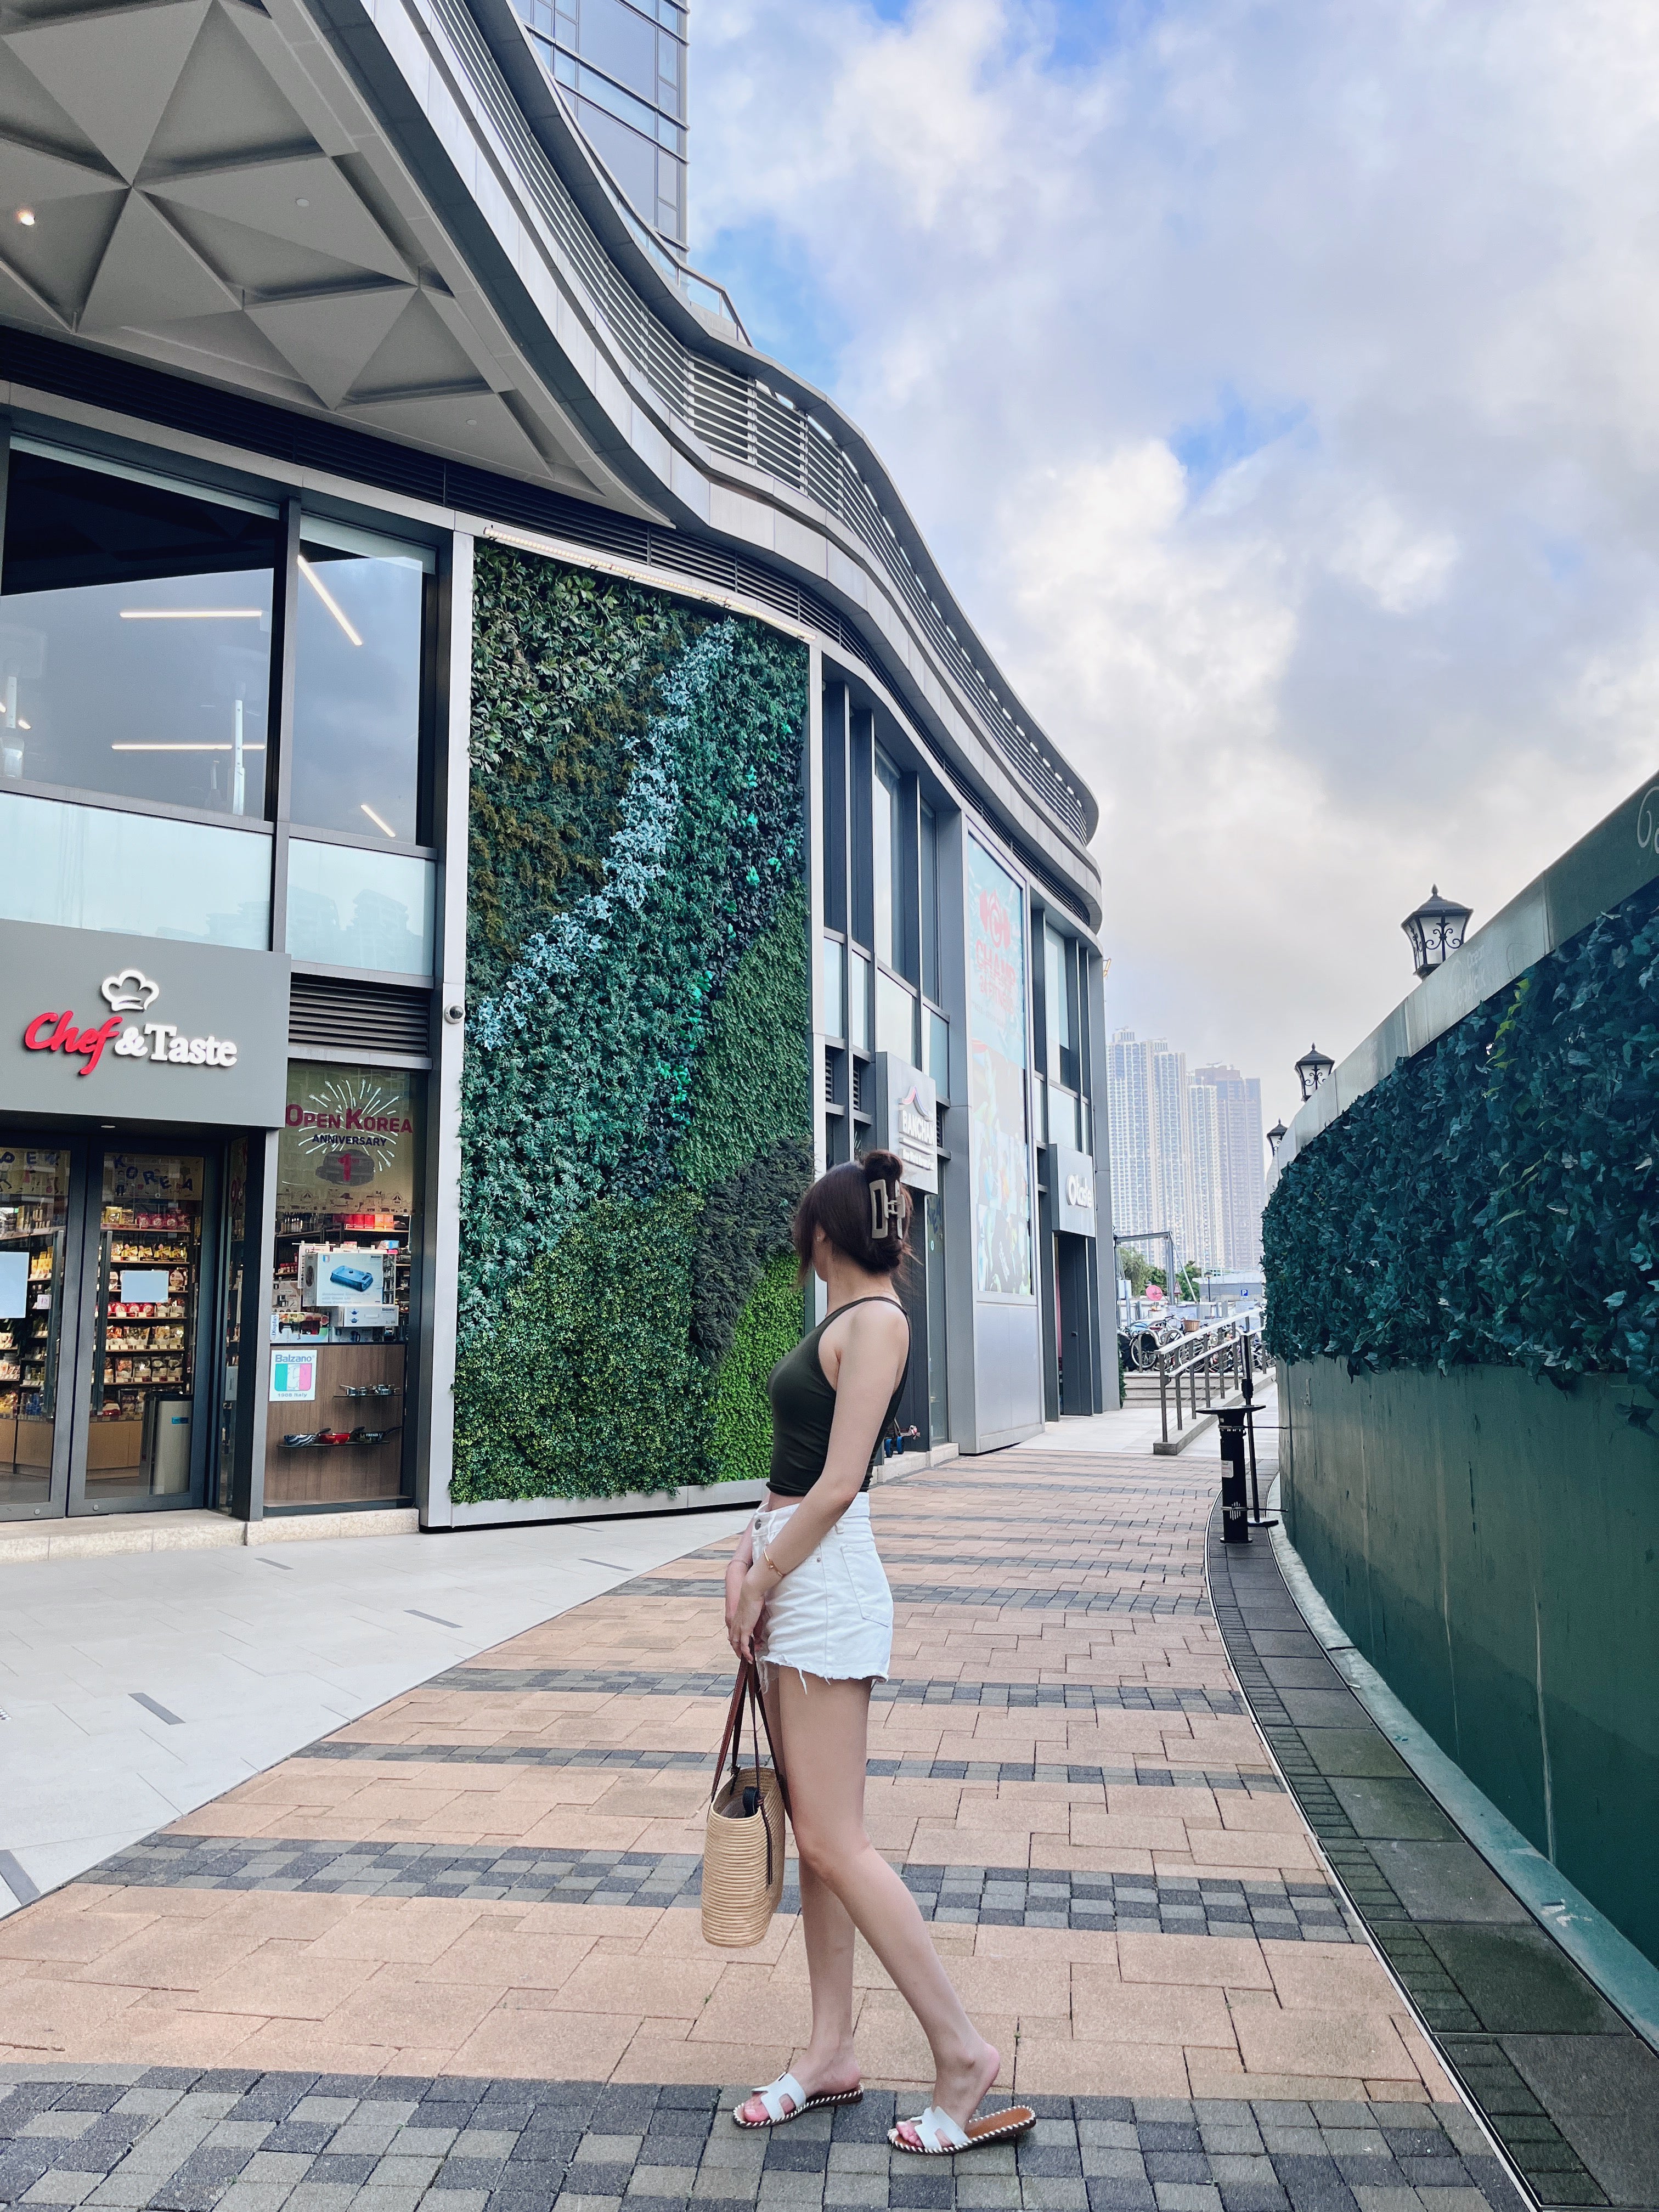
(620,67)
(1244,1184)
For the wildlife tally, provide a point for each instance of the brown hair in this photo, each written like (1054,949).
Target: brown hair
(851,1204)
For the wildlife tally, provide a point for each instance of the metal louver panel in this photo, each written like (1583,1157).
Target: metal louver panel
(336,1015)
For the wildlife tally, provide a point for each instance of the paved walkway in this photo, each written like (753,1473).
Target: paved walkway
(454,1948)
(135,1688)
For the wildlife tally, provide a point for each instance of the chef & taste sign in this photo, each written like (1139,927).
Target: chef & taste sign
(172,1031)
(131,992)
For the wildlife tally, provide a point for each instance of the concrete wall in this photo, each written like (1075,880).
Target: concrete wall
(1492,1546)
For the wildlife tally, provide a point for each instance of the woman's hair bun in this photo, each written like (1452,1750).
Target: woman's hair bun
(863,1208)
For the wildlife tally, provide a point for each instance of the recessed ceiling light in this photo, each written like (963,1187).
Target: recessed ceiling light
(302,202)
(25,216)
(472,421)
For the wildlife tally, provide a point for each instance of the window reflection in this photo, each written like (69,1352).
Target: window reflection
(135,638)
(357,686)
(351,908)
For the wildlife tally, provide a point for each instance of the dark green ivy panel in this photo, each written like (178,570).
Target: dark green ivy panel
(1463,1283)
(635,1125)
(1492,1546)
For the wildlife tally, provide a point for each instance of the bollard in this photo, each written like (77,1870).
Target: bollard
(1235,1519)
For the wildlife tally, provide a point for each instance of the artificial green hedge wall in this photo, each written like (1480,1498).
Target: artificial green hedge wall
(635,1123)
(1494,1200)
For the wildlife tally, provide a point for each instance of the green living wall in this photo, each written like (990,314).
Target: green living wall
(1463,1292)
(635,1119)
(1493,1201)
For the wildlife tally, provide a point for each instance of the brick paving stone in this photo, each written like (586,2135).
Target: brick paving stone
(479,1905)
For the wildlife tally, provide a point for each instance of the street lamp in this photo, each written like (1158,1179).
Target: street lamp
(1436,931)
(1276,1137)
(1312,1069)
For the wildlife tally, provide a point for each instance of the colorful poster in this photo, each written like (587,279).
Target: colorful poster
(349,1142)
(999,1146)
(292,1377)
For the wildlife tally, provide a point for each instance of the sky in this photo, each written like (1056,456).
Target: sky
(1278,387)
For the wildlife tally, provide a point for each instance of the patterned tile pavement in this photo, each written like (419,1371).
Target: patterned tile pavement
(450,1958)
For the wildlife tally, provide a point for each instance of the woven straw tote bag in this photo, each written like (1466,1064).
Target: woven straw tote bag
(743,1844)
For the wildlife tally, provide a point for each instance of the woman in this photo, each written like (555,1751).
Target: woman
(805,1592)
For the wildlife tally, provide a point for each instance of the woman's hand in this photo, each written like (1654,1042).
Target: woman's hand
(744,1610)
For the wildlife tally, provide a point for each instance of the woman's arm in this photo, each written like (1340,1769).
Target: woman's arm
(871,1360)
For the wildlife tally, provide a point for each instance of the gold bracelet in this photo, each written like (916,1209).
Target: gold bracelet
(769,1563)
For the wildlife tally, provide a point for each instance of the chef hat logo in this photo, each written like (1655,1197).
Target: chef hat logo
(131,992)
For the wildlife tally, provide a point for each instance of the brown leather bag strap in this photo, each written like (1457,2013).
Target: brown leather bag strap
(777,1764)
(733,1728)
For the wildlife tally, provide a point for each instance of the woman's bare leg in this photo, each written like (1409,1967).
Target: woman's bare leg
(829,2062)
(826,1793)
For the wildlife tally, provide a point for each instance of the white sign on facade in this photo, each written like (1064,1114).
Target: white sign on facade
(1072,1190)
(907,1119)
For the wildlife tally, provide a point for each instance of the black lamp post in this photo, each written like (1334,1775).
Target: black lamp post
(1276,1137)
(1312,1069)
(1436,931)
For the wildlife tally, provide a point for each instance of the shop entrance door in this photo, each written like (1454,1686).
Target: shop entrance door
(147,1294)
(41,1186)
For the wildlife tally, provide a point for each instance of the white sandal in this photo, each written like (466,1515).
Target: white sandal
(941,2137)
(772,2094)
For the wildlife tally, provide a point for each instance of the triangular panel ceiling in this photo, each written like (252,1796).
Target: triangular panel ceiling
(308,202)
(31,113)
(30,179)
(60,252)
(114,74)
(149,270)
(329,340)
(225,108)
(418,356)
(252,261)
(475,423)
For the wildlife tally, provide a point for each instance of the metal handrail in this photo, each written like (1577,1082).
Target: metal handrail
(1219,1348)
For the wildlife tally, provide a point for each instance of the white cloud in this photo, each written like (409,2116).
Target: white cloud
(1276,387)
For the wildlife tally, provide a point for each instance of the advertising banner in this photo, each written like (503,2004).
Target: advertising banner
(348,1144)
(999,1144)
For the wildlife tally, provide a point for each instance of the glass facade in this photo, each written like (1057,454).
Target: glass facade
(147,1318)
(358,666)
(999,1152)
(348,1217)
(135,637)
(34,1206)
(94,868)
(351,908)
(621,69)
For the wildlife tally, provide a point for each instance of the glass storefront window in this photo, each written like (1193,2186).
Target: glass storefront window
(939,1396)
(857,1002)
(896,1018)
(135,636)
(929,904)
(938,1052)
(1056,1003)
(347,1223)
(149,1284)
(886,851)
(239,1256)
(357,684)
(33,1221)
(834,988)
(93,867)
(350,908)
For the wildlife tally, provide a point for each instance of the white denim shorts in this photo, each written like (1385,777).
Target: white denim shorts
(832,1615)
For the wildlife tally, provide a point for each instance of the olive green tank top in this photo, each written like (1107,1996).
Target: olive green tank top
(804,1408)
